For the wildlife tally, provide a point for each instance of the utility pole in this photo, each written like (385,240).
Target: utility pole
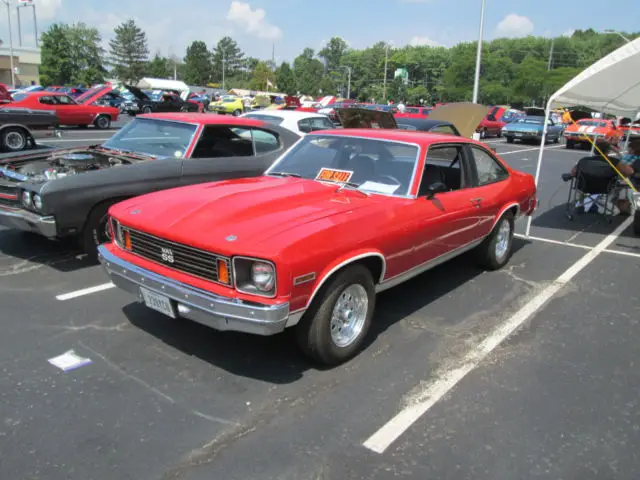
(19,25)
(476,82)
(349,83)
(224,61)
(386,63)
(550,55)
(13,70)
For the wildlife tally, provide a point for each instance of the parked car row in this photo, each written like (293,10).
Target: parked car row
(242,224)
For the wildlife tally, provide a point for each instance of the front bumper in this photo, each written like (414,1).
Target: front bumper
(215,311)
(20,219)
(522,135)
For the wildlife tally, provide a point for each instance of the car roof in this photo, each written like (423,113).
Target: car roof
(423,139)
(288,114)
(205,119)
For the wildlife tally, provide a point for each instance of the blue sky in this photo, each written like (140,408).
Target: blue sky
(295,24)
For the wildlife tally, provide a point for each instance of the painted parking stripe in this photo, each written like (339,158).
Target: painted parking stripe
(449,378)
(576,245)
(85,291)
(528,150)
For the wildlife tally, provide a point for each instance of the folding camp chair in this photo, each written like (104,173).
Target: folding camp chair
(593,183)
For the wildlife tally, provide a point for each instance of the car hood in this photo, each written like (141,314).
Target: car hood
(136,92)
(465,116)
(578,128)
(249,216)
(353,117)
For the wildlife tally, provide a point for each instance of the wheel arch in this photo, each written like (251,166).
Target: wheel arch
(100,203)
(373,260)
(513,207)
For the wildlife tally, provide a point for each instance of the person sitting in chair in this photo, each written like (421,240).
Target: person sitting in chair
(595,165)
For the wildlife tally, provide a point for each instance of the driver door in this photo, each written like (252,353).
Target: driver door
(225,152)
(447,221)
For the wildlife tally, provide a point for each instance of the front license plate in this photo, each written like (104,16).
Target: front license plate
(159,303)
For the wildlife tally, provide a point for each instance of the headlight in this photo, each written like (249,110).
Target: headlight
(37,201)
(254,276)
(26,198)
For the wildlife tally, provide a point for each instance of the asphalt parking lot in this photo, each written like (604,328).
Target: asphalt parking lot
(527,372)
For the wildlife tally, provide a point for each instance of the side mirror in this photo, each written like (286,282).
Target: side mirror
(435,188)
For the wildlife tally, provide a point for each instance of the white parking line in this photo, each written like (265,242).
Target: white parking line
(576,245)
(85,291)
(528,150)
(449,378)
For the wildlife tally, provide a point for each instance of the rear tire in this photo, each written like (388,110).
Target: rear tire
(509,139)
(237,113)
(334,328)
(14,140)
(636,223)
(495,251)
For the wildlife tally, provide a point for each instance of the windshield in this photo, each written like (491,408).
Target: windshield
(159,138)
(265,118)
(534,121)
(592,123)
(228,100)
(376,166)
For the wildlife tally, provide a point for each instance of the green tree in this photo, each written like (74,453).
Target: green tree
(308,70)
(128,52)
(333,52)
(159,67)
(285,79)
(227,52)
(71,54)
(197,64)
(262,74)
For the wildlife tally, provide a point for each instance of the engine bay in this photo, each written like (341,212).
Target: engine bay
(54,166)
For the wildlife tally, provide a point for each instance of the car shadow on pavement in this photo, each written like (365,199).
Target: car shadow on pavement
(277,359)
(63,256)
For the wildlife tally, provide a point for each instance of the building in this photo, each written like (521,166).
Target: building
(26,61)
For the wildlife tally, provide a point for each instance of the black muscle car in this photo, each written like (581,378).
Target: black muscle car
(169,101)
(20,127)
(66,193)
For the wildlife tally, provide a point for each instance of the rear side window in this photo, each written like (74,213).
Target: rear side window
(47,101)
(313,124)
(265,118)
(264,141)
(222,142)
(488,169)
(443,164)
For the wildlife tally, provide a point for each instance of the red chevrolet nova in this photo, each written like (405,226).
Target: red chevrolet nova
(342,215)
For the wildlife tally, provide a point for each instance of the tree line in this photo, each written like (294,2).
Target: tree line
(514,70)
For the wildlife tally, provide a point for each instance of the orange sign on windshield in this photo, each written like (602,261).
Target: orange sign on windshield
(331,175)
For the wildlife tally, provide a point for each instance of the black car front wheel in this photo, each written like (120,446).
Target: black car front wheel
(96,229)
(14,139)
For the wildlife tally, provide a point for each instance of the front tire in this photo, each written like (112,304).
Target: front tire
(237,112)
(146,109)
(495,251)
(335,326)
(102,122)
(570,144)
(14,140)
(509,139)
(96,230)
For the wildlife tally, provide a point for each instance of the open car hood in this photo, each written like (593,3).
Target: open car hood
(139,94)
(365,118)
(534,112)
(465,116)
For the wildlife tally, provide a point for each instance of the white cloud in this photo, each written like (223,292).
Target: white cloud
(48,9)
(514,25)
(252,21)
(423,41)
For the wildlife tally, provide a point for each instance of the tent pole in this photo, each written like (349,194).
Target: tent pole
(626,141)
(543,142)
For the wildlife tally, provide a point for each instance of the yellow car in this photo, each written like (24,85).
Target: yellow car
(232,105)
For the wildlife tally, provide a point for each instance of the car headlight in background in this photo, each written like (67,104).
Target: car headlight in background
(37,201)
(254,276)
(26,198)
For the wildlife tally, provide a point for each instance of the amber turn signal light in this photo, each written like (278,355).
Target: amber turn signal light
(223,272)
(127,240)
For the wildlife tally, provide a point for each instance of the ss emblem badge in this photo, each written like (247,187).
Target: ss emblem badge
(167,255)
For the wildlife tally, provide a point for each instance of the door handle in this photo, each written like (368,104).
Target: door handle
(476,201)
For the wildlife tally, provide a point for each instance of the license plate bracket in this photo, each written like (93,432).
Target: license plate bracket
(158,302)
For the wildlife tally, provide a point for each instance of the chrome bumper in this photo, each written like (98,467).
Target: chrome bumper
(27,221)
(204,307)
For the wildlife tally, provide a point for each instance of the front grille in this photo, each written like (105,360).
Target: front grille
(176,256)
(9,195)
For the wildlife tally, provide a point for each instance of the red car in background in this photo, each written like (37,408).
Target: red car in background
(5,96)
(68,110)
(492,124)
(414,112)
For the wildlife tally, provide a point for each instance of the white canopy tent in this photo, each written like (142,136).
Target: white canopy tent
(148,83)
(611,85)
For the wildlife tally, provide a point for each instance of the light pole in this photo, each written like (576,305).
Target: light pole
(224,61)
(476,82)
(348,80)
(13,73)
(386,63)
(23,4)
(613,32)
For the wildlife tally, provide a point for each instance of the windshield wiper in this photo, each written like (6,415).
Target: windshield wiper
(352,186)
(285,174)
